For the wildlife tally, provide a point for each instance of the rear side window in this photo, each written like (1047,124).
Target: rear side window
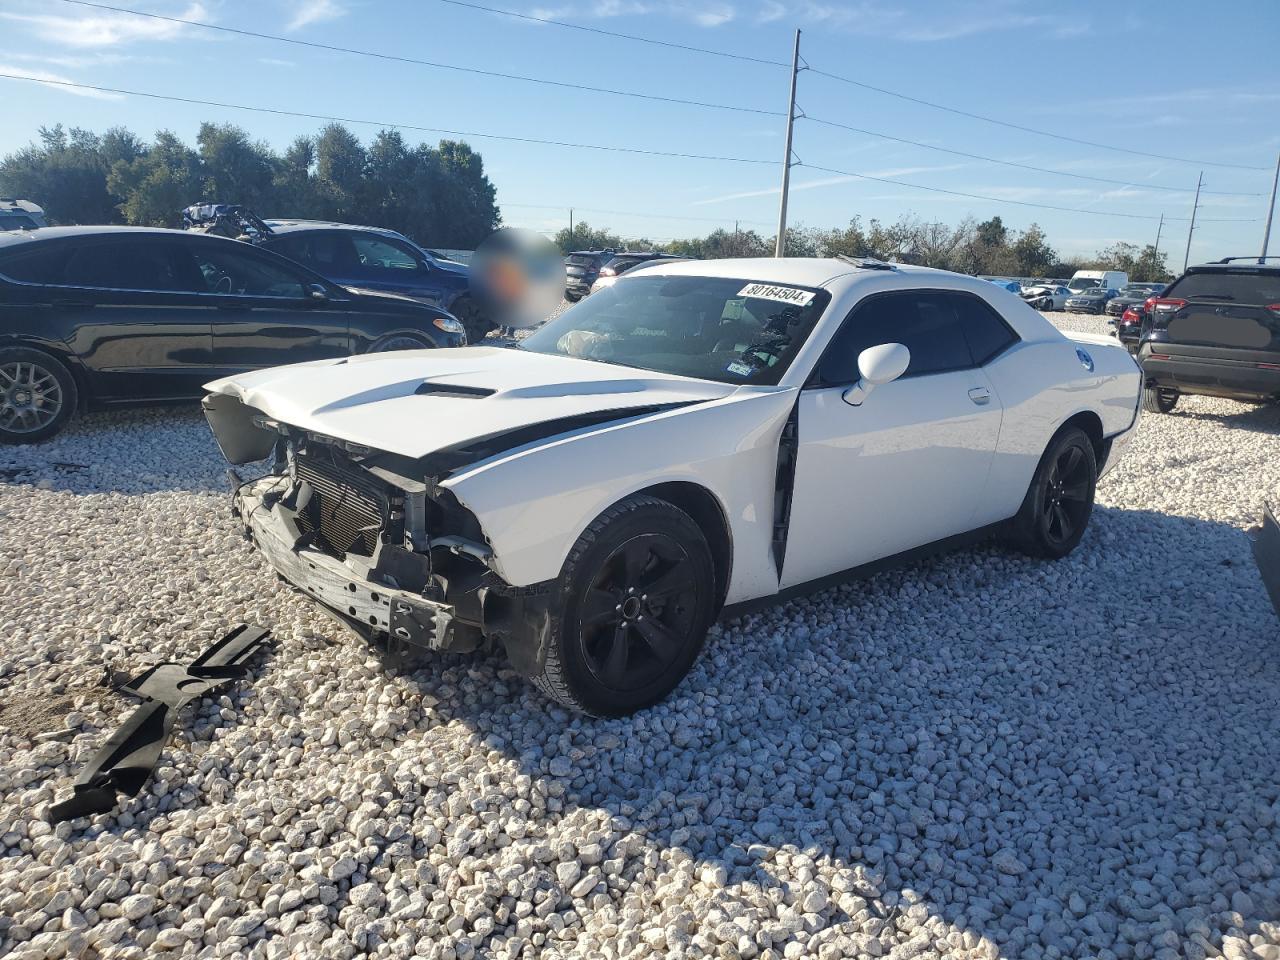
(40,265)
(925,323)
(1253,287)
(124,264)
(986,333)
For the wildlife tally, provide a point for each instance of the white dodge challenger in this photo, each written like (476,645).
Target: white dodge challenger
(696,439)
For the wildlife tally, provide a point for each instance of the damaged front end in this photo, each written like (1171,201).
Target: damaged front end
(374,538)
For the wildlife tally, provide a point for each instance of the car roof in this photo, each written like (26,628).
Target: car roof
(296,226)
(55,233)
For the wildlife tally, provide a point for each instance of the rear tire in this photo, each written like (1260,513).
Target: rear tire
(401,341)
(636,598)
(37,395)
(1159,399)
(1056,511)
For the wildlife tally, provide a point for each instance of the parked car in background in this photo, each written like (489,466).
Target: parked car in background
(702,436)
(581,270)
(1046,296)
(91,316)
(625,262)
(20,215)
(1215,331)
(1013,286)
(1084,280)
(1090,300)
(1132,296)
(362,258)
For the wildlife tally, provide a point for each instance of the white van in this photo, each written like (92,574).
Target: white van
(1105,279)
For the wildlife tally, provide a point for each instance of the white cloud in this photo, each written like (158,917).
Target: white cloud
(703,13)
(912,24)
(308,12)
(828,182)
(103,29)
(54,81)
(275,62)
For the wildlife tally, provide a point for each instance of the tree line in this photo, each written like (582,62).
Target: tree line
(439,196)
(988,248)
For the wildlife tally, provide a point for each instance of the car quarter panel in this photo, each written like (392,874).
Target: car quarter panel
(533,504)
(1041,386)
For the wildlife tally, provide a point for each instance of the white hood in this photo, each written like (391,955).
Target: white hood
(415,402)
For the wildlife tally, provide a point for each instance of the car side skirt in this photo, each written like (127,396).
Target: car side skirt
(863,572)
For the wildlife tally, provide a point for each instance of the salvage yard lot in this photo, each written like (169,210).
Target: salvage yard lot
(980,755)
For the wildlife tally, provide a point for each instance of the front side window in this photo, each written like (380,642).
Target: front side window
(713,328)
(229,271)
(384,259)
(924,322)
(123,264)
(43,264)
(328,253)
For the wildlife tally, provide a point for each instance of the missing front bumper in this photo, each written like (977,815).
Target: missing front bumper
(355,588)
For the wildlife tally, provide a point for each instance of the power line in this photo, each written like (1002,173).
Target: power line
(1026,129)
(1009,163)
(1021,203)
(615,34)
(386,123)
(475,71)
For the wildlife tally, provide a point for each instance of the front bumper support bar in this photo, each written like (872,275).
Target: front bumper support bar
(349,586)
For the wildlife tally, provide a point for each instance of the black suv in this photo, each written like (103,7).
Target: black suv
(581,268)
(1214,331)
(100,315)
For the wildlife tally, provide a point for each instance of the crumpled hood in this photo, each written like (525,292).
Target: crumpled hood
(416,402)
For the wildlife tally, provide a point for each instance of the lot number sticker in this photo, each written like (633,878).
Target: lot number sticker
(768,291)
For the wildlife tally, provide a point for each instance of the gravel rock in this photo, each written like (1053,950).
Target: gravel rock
(978,756)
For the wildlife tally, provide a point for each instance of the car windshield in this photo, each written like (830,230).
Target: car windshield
(713,328)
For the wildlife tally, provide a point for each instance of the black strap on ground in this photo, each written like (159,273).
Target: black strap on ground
(129,756)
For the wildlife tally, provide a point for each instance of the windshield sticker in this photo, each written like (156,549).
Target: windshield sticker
(740,369)
(769,291)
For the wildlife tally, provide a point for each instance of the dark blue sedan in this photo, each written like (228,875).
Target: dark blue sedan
(373,258)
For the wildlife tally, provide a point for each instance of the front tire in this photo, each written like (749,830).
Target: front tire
(636,598)
(401,341)
(37,395)
(1159,399)
(1058,505)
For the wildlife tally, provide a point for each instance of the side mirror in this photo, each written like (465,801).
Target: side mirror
(317,293)
(877,366)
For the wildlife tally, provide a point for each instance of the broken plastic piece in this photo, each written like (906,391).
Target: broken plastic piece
(126,760)
(1266,553)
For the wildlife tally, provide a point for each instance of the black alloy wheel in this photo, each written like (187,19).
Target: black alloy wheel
(1059,502)
(400,341)
(637,617)
(637,594)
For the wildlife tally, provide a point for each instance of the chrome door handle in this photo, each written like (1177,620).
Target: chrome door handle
(980,395)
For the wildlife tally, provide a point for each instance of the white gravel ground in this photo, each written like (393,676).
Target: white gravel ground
(979,756)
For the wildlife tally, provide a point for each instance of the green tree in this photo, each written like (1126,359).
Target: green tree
(66,174)
(1032,252)
(233,168)
(585,237)
(159,183)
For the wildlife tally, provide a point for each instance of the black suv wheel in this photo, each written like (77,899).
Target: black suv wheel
(1159,399)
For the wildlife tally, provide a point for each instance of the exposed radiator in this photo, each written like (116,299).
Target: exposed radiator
(348,506)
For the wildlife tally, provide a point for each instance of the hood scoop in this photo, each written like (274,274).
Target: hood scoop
(457,391)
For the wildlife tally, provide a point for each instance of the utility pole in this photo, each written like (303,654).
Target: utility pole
(1271,208)
(780,247)
(571,243)
(1155,251)
(1186,257)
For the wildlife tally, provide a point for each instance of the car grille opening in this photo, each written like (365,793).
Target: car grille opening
(347,508)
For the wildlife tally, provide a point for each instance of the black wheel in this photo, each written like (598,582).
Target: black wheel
(1159,399)
(400,341)
(37,395)
(637,596)
(473,320)
(1058,505)
(572,297)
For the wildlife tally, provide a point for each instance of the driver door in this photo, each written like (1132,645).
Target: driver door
(909,465)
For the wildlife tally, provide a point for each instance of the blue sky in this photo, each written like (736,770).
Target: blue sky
(1169,78)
